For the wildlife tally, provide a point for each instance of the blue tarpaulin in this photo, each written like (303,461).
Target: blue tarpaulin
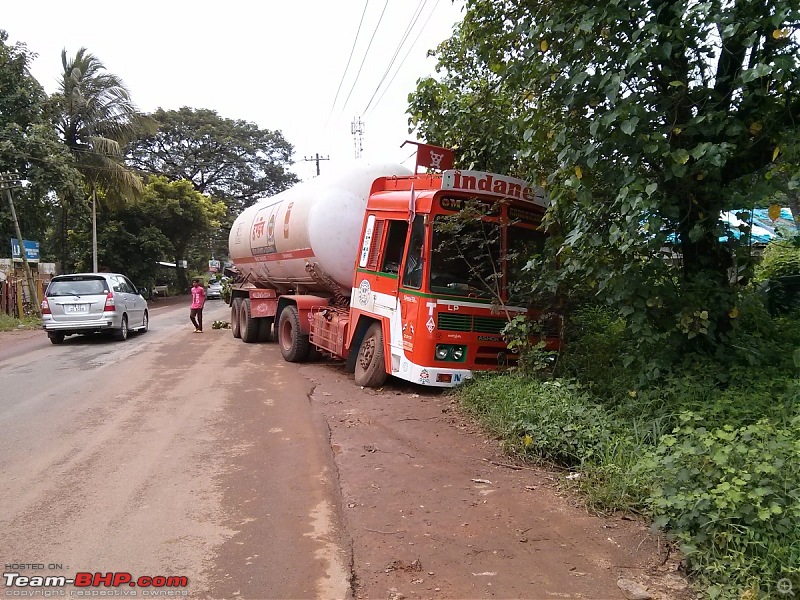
(763,228)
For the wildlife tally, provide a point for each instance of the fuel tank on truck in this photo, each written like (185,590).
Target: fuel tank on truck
(316,222)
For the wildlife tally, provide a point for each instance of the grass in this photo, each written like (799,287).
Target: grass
(9,323)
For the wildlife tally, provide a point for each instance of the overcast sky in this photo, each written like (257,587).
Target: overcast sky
(277,63)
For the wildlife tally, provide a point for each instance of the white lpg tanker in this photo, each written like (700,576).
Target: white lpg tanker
(352,265)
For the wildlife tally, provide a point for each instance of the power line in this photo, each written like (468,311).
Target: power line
(349,58)
(412,22)
(402,62)
(366,52)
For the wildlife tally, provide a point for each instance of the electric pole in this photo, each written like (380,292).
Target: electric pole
(317,159)
(6,181)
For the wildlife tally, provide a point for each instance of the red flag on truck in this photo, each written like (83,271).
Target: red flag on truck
(433,157)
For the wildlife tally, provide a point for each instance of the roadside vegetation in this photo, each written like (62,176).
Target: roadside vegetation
(9,323)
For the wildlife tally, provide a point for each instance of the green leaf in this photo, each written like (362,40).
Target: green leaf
(681,156)
(629,126)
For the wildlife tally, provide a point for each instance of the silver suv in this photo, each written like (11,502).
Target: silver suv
(92,302)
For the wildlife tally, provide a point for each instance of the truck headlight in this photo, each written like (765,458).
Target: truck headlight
(450,352)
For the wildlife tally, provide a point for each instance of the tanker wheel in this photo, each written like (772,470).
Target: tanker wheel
(370,364)
(294,345)
(248,326)
(236,307)
(265,329)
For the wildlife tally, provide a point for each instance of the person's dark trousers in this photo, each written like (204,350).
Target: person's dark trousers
(196,316)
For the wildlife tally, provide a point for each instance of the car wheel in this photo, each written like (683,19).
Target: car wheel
(56,337)
(294,345)
(145,323)
(121,334)
(236,307)
(370,364)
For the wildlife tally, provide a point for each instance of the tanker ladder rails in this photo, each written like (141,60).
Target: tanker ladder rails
(339,299)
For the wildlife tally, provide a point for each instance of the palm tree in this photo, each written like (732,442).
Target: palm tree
(96,119)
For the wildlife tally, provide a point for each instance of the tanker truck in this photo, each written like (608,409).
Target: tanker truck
(372,266)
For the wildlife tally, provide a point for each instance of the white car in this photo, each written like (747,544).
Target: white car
(214,290)
(90,303)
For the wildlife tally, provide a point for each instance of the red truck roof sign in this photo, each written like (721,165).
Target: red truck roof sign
(492,184)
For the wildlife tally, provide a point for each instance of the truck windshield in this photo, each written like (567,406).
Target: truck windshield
(466,259)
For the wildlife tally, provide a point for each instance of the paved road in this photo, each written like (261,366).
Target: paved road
(169,454)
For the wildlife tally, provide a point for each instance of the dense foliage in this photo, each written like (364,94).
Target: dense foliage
(640,117)
(230,160)
(676,395)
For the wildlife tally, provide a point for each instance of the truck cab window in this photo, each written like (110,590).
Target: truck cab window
(412,274)
(466,257)
(393,251)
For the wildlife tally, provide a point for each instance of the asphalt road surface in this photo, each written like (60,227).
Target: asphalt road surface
(197,456)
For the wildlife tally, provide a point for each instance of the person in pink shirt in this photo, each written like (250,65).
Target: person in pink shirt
(198,300)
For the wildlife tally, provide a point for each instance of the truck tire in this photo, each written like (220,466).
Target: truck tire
(265,329)
(248,326)
(236,307)
(56,337)
(294,345)
(370,365)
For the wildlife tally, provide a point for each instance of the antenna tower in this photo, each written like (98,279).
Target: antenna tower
(357,129)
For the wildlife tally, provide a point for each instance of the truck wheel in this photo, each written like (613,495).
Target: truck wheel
(56,337)
(236,307)
(294,345)
(265,329)
(370,365)
(248,326)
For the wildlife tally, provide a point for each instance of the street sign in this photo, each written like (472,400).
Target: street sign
(31,250)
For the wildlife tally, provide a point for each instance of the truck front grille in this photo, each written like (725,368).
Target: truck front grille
(474,323)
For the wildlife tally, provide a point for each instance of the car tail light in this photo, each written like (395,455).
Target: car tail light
(45,307)
(110,305)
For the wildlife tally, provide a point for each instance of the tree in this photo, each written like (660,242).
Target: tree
(652,110)
(232,160)
(96,118)
(29,146)
(183,215)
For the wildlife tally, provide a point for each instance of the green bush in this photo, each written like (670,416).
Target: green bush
(731,497)
(781,258)
(594,350)
(553,421)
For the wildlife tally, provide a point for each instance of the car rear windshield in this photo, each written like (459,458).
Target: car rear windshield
(77,286)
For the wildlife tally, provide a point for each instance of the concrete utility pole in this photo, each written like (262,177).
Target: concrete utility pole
(6,181)
(317,159)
